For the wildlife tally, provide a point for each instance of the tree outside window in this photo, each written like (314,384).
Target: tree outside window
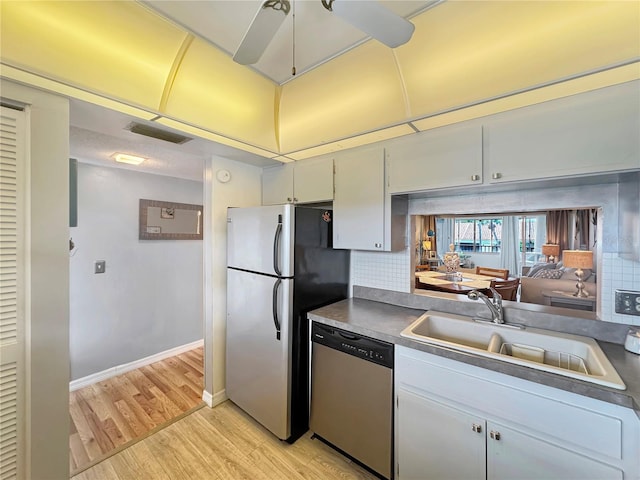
(480,235)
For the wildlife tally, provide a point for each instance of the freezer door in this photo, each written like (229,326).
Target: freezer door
(258,359)
(260,239)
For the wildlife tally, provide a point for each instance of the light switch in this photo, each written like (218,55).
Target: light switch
(100,266)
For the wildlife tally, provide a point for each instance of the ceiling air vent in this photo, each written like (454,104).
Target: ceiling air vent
(154,132)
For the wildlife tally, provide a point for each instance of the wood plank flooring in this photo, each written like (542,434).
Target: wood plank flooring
(224,443)
(110,414)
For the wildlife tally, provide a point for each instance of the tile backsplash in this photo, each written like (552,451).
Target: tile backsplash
(617,273)
(386,270)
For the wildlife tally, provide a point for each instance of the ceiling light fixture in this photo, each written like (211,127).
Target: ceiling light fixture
(130,159)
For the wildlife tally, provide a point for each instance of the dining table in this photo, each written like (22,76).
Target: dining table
(461,283)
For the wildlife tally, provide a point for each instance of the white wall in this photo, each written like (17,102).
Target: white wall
(243,190)
(150,297)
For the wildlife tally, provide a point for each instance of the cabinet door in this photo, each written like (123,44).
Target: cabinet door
(593,132)
(444,157)
(512,454)
(313,180)
(437,441)
(359,200)
(277,184)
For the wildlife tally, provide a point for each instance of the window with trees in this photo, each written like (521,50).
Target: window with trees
(481,235)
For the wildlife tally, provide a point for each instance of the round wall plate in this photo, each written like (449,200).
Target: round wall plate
(223,176)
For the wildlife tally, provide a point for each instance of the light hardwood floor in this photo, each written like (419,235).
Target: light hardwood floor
(110,414)
(224,443)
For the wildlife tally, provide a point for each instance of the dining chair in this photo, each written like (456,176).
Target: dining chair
(507,288)
(493,272)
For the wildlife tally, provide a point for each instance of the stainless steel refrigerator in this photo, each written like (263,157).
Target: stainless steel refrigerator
(280,265)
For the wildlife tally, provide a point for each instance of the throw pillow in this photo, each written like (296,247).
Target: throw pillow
(554,274)
(540,266)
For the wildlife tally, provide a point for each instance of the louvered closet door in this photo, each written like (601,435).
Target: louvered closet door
(12,292)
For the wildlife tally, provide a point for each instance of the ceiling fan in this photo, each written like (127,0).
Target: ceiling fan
(369,16)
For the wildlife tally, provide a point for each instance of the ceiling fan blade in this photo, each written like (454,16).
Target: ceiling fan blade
(262,29)
(376,20)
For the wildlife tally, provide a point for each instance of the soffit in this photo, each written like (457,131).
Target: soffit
(462,53)
(99,46)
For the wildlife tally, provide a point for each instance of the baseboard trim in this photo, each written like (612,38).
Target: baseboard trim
(127,367)
(213,400)
(207,398)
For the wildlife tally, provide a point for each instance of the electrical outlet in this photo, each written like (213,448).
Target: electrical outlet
(100,266)
(628,302)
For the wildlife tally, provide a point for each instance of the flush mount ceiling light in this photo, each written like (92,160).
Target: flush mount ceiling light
(130,159)
(368,16)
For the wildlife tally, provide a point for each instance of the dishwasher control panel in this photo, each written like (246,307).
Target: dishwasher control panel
(354,344)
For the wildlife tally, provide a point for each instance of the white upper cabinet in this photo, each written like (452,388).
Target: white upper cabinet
(592,132)
(277,184)
(448,156)
(313,180)
(306,181)
(365,216)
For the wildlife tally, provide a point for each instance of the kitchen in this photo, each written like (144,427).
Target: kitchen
(383,265)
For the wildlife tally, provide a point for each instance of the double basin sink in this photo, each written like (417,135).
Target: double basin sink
(560,353)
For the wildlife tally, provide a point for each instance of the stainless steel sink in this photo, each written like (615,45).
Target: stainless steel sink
(564,354)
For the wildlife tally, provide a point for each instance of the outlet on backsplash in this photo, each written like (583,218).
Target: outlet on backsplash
(628,302)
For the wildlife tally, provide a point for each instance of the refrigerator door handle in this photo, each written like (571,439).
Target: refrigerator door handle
(276,247)
(276,320)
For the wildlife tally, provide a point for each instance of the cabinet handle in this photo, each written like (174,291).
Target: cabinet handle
(476,428)
(475,178)
(495,435)
(377,245)
(295,199)
(289,199)
(496,176)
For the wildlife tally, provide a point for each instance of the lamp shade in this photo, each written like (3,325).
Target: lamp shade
(550,249)
(577,258)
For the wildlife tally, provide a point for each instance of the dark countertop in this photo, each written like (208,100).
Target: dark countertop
(385,321)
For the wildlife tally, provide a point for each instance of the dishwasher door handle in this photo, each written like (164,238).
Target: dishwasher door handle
(348,337)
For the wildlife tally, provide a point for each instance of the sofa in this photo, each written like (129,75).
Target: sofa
(553,277)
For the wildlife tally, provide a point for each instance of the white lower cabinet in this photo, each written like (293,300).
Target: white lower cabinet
(514,454)
(457,421)
(437,441)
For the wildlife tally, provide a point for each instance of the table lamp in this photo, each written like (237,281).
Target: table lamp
(578,259)
(551,251)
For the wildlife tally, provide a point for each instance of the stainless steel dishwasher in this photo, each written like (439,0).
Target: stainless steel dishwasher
(352,395)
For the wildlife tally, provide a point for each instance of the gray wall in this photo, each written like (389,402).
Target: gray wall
(150,297)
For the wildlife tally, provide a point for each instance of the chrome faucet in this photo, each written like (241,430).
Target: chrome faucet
(494,304)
